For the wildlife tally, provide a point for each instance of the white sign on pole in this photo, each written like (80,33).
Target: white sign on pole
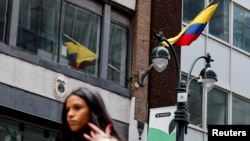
(159,124)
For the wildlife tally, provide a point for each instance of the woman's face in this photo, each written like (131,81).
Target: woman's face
(78,113)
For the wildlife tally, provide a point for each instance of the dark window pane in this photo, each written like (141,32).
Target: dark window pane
(240,110)
(117,54)
(217,107)
(241,28)
(190,11)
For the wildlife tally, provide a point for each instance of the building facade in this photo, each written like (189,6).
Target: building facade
(226,38)
(51,47)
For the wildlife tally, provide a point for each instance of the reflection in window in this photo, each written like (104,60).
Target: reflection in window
(7,128)
(217,106)
(190,11)
(241,28)
(15,131)
(219,23)
(240,110)
(38,27)
(117,54)
(3,12)
(81,38)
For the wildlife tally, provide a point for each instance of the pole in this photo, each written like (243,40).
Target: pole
(181,114)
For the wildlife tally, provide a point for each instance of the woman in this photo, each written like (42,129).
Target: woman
(85,118)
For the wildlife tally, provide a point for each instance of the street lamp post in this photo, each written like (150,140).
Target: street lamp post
(160,58)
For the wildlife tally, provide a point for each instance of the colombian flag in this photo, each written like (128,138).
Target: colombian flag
(194,28)
(79,55)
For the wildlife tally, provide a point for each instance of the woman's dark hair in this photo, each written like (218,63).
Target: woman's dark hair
(99,114)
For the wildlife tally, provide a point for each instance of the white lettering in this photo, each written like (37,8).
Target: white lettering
(216,132)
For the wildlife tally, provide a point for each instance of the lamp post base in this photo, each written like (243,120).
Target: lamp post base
(182,118)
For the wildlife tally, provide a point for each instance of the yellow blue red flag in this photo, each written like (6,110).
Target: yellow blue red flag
(79,55)
(194,28)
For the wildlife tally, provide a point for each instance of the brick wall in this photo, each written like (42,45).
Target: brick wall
(165,17)
(141,47)
(151,17)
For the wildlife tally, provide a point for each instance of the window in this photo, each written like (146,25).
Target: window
(217,107)
(240,110)
(7,128)
(32,133)
(3,12)
(16,131)
(82,28)
(117,54)
(241,28)
(219,23)
(82,38)
(38,27)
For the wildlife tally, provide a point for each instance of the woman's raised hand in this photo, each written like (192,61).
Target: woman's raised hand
(97,134)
